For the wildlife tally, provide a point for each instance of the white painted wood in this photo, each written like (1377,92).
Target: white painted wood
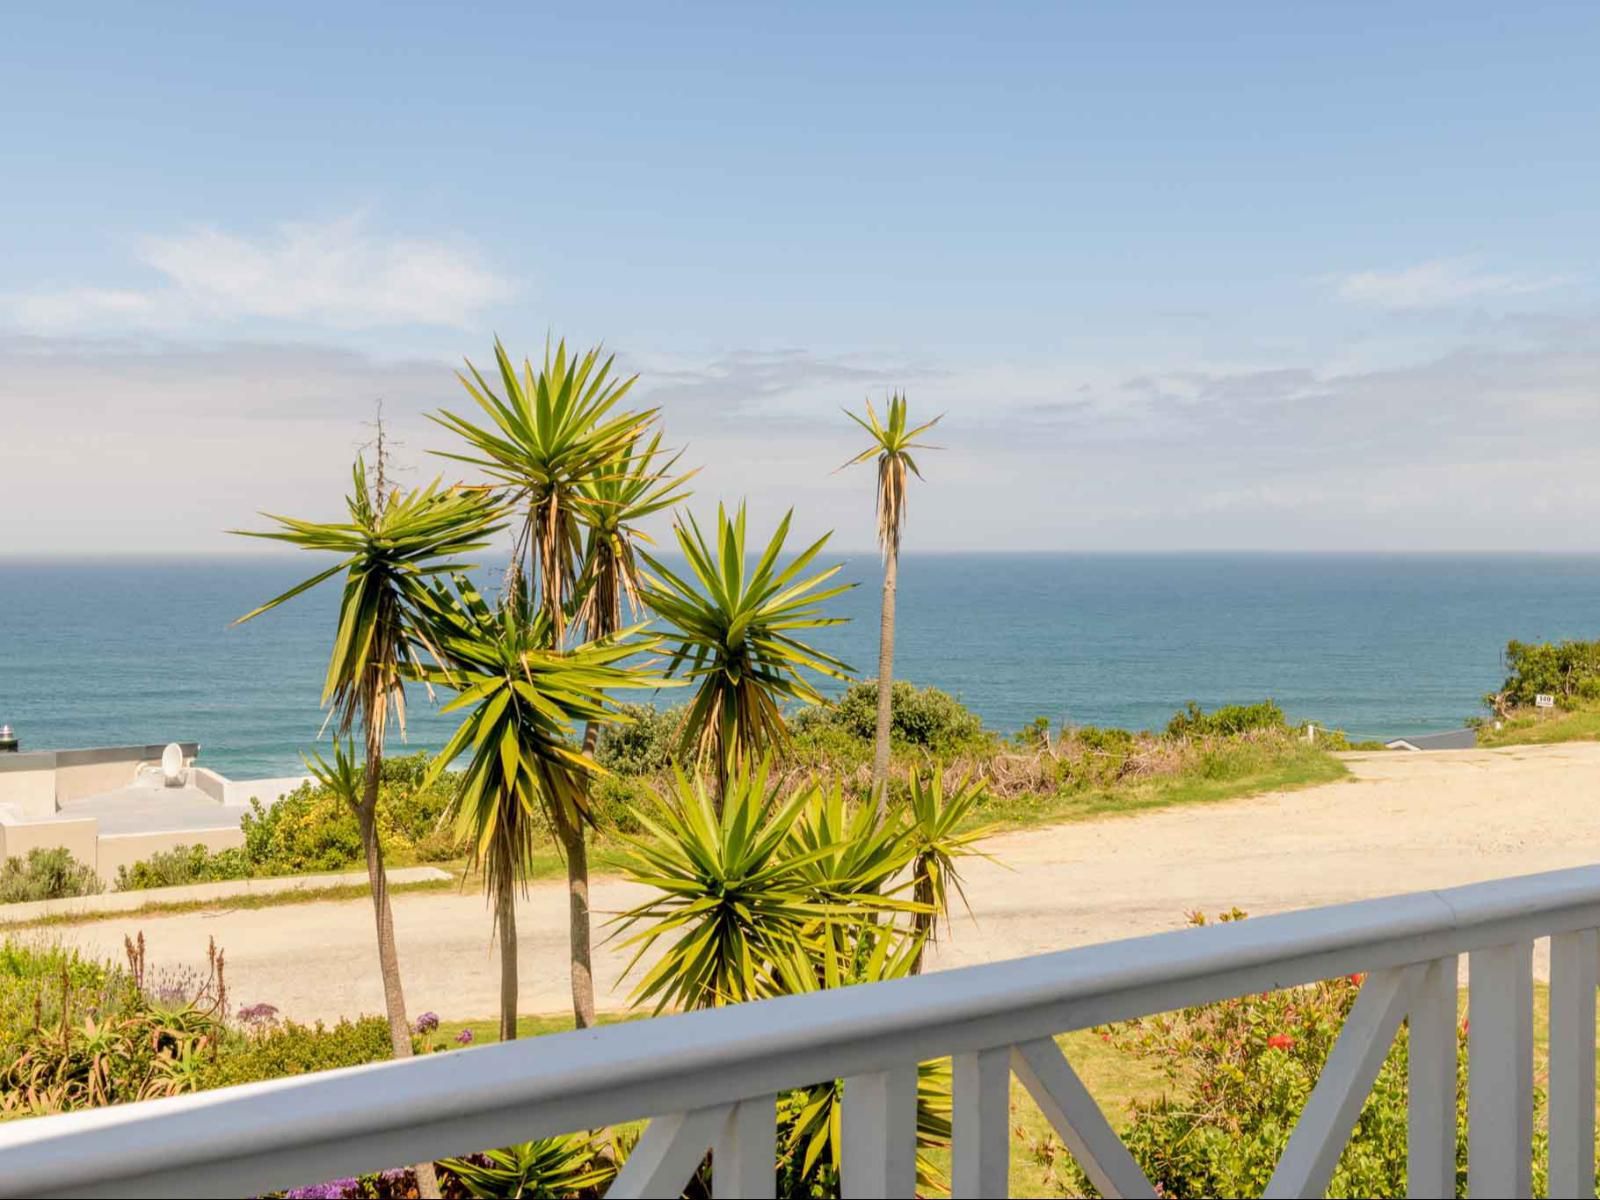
(1574,975)
(1077,1119)
(980,1152)
(290,1132)
(1431,1123)
(880,1134)
(1500,1072)
(1324,1127)
(744,1160)
(668,1154)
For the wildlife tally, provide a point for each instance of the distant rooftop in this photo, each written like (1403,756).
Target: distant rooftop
(1453,739)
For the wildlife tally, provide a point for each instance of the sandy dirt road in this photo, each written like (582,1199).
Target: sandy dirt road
(1404,822)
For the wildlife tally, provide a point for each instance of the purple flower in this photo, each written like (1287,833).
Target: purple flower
(427,1022)
(464,1038)
(334,1189)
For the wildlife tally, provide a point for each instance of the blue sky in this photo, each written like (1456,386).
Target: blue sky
(1182,276)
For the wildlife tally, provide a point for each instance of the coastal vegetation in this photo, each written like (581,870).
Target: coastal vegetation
(1568,673)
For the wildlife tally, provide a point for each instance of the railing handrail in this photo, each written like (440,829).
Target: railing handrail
(341,1122)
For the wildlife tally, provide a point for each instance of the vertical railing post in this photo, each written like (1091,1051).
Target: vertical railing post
(980,1152)
(1574,966)
(745,1157)
(1500,1072)
(880,1134)
(1431,1086)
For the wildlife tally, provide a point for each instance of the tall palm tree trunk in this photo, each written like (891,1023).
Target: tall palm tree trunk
(880,749)
(505,919)
(575,849)
(394,999)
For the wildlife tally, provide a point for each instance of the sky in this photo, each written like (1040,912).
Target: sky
(1178,276)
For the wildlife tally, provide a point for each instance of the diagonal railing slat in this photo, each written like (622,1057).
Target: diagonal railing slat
(1319,1136)
(1077,1119)
(292,1132)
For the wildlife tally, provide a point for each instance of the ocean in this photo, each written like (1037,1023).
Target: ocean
(111,652)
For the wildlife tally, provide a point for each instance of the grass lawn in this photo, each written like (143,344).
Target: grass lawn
(1537,729)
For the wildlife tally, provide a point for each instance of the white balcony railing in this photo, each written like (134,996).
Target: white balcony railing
(709,1079)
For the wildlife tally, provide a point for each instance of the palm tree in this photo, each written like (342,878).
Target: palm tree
(623,492)
(553,431)
(892,443)
(733,631)
(551,436)
(523,701)
(389,549)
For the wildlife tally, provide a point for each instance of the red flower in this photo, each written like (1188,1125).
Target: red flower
(1358,978)
(1280,1041)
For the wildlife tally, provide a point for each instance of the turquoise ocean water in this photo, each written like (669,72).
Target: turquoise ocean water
(107,652)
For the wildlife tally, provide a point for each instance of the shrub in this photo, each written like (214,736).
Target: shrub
(1228,721)
(618,800)
(183,865)
(46,875)
(293,1049)
(645,744)
(312,829)
(922,717)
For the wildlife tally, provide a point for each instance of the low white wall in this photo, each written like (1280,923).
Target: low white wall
(115,850)
(28,784)
(268,791)
(78,836)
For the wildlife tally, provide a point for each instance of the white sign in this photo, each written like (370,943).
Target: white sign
(1544,700)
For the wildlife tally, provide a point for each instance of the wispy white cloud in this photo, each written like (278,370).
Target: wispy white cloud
(1438,283)
(337,274)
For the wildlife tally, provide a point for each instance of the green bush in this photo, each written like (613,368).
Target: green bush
(644,744)
(1569,671)
(311,829)
(183,865)
(46,875)
(1228,721)
(294,1049)
(922,717)
(618,800)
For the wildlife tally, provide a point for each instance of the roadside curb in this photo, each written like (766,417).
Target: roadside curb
(119,902)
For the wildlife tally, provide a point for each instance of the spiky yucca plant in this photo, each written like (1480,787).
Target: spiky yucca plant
(731,632)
